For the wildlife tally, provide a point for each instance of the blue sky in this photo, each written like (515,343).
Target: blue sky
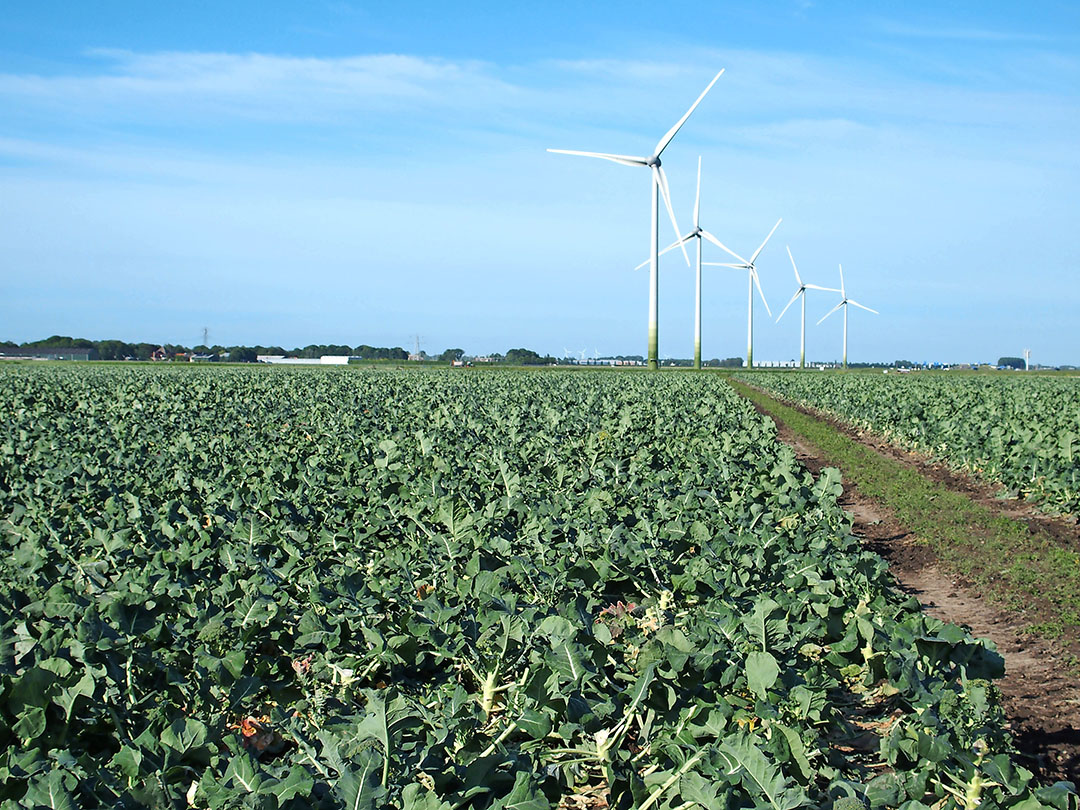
(363,172)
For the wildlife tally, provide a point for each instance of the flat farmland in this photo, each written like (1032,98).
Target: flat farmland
(234,587)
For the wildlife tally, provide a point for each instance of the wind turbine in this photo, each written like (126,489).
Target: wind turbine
(698,233)
(803,287)
(659,186)
(749,266)
(844,301)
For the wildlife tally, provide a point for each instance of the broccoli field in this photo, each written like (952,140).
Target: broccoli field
(1023,432)
(433,590)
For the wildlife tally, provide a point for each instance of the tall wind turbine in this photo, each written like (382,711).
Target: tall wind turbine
(750,266)
(659,186)
(844,301)
(803,287)
(698,233)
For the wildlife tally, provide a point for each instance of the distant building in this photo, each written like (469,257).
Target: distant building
(325,360)
(773,364)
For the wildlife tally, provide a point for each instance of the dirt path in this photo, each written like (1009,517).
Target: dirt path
(1041,695)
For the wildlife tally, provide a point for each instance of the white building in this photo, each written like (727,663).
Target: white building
(773,364)
(325,360)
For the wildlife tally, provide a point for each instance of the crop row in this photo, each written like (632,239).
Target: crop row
(286,589)
(1020,431)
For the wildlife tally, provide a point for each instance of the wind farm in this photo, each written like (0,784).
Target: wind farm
(660,188)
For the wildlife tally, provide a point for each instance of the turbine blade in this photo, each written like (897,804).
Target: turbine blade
(816,287)
(767,238)
(789,303)
(830,312)
(661,145)
(697,198)
(861,306)
(626,160)
(793,267)
(757,284)
(723,264)
(842,293)
(665,192)
(672,246)
(723,247)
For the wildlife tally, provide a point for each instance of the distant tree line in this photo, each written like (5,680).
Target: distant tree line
(121,350)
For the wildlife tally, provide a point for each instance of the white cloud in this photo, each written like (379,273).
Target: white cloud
(261,85)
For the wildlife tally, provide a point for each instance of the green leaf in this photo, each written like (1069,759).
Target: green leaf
(49,791)
(415,797)
(693,787)
(760,776)
(298,782)
(84,687)
(184,734)
(359,787)
(374,725)
(31,724)
(35,687)
(558,629)
(242,772)
(234,662)
(129,760)
(254,610)
(534,723)
(798,751)
(757,623)
(761,672)
(525,795)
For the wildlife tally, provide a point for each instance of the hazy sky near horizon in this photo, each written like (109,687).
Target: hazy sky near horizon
(353,172)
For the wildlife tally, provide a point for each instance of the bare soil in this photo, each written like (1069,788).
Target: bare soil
(1041,695)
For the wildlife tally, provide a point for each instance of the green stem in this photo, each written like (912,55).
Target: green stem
(660,791)
(487,699)
(495,743)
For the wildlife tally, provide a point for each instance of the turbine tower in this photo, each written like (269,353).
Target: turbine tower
(753,276)
(844,301)
(803,287)
(698,233)
(659,187)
